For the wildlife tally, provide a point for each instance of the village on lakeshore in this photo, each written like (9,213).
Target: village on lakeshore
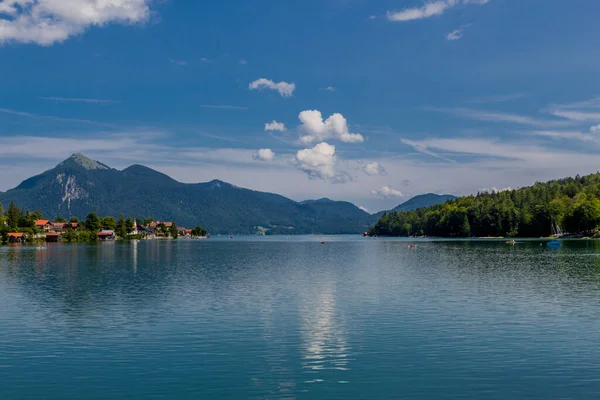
(19,226)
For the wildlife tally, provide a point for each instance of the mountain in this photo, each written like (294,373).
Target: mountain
(421,201)
(569,205)
(424,200)
(79,185)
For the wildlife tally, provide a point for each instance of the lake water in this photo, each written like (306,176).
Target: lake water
(290,318)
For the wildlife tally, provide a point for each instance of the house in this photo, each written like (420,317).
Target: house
(44,225)
(135,230)
(53,237)
(58,226)
(106,236)
(15,237)
(72,225)
(167,224)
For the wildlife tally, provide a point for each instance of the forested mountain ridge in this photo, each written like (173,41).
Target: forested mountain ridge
(570,204)
(79,185)
(420,201)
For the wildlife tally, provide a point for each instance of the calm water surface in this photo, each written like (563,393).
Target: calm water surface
(289,318)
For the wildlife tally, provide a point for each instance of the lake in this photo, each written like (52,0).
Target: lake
(290,318)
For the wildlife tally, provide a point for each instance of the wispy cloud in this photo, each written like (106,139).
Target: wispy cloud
(457,33)
(178,62)
(580,116)
(223,107)
(53,118)
(497,116)
(79,100)
(429,9)
(499,98)
(422,147)
(568,135)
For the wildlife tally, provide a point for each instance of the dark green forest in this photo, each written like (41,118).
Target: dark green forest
(569,205)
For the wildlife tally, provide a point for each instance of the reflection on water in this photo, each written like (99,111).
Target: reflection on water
(293,319)
(323,333)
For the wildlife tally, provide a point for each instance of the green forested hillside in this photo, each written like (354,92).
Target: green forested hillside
(420,201)
(80,185)
(571,205)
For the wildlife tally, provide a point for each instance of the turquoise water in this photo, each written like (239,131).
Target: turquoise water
(290,318)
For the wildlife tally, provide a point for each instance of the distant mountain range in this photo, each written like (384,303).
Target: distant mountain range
(80,185)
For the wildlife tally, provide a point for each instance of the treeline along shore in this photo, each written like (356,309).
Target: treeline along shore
(563,207)
(18,225)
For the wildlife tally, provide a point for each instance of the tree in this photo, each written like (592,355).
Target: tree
(108,223)
(148,221)
(60,219)
(129,225)
(199,231)
(74,219)
(92,222)
(13,214)
(173,231)
(121,230)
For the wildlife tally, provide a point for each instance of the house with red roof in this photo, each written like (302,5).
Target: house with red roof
(15,237)
(44,225)
(53,237)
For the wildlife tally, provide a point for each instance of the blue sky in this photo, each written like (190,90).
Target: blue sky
(449,96)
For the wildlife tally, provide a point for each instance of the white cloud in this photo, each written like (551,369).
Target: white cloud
(178,62)
(46,22)
(25,114)
(223,107)
(595,129)
(567,135)
(372,169)
(285,89)
(79,100)
(243,62)
(320,162)
(330,88)
(457,33)
(496,116)
(365,209)
(387,192)
(275,126)
(429,9)
(580,116)
(264,155)
(314,129)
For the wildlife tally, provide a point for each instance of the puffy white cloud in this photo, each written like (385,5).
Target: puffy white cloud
(275,126)
(285,89)
(320,162)
(264,155)
(387,192)
(595,129)
(314,129)
(372,169)
(46,22)
(429,9)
